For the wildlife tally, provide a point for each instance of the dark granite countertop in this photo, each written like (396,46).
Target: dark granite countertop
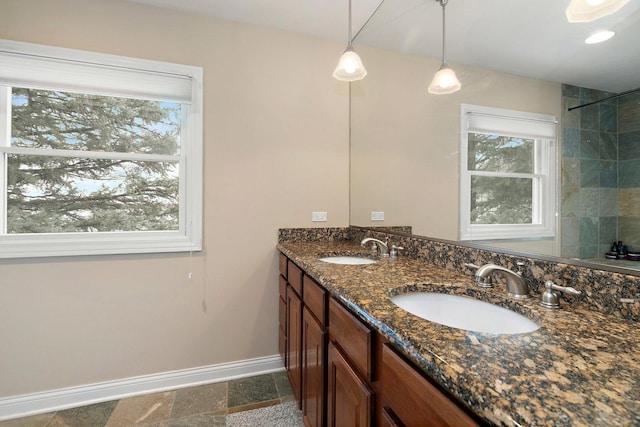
(581,368)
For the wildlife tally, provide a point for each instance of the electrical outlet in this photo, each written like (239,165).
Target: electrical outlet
(319,216)
(377,216)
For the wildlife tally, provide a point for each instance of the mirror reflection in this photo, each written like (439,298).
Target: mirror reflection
(406,159)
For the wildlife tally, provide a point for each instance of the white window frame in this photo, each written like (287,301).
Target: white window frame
(497,121)
(46,67)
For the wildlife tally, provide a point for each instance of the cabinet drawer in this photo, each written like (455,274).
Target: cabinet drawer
(315,298)
(283,265)
(412,399)
(354,337)
(282,284)
(294,277)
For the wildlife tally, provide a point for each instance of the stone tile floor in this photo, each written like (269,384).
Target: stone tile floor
(206,405)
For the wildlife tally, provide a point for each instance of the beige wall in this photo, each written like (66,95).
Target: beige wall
(275,149)
(405,142)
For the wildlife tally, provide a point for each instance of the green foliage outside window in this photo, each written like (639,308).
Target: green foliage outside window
(48,193)
(499,199)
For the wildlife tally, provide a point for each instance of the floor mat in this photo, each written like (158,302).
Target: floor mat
(283,415)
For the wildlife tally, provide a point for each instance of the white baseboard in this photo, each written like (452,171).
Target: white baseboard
(55,400)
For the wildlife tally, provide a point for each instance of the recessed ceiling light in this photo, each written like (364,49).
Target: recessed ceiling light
(599,37)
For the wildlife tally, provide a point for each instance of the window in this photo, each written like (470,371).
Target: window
(98,154)
(508,174)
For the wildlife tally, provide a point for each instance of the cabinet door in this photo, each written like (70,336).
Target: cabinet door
(314,344)
(349,400)
(293,342)
(282,330)
(411,400)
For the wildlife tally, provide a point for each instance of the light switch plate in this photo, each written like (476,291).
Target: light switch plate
(377,216)
(319,216)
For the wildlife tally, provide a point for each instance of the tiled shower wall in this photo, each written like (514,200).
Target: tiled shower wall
(629,169)
(600,172)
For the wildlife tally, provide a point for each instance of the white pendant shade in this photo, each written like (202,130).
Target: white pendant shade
(590,10)
(444,82)
(349,67)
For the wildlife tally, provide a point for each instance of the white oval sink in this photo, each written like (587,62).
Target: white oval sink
(348,260)
(464,312)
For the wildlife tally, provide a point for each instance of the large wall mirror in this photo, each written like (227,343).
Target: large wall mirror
(405,142)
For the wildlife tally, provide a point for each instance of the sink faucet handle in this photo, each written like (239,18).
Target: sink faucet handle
(393,254)
(471,265)
(565,289)
(550,299)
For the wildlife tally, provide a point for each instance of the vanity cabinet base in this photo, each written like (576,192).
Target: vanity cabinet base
(344,373)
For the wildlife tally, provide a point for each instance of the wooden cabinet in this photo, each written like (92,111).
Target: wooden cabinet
(354,337)
(282,320)
(282,330)
(314,353)
(315,299)
(294,341)
(314,344)
(409,399)
(294,277)
(282,309)
(349,400)
(283,264)
(343,373)
(305,340)
(293,356)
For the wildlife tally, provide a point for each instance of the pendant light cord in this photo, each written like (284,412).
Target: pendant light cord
(350,45)
(443,3)
(367,21)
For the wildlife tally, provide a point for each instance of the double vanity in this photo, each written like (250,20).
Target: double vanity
(359,349)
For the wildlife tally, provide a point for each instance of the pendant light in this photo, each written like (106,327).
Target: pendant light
(350,66)
(445,80)
(590,10)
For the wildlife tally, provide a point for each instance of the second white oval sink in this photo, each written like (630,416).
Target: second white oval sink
(348,260)
(464,312)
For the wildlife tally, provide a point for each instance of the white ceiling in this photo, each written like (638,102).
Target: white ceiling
(524,37)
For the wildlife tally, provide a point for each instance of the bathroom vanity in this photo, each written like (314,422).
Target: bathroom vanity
(344,371)
(355,358)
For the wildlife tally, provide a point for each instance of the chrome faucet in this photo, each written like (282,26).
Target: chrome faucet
(516,286)
(384,246)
